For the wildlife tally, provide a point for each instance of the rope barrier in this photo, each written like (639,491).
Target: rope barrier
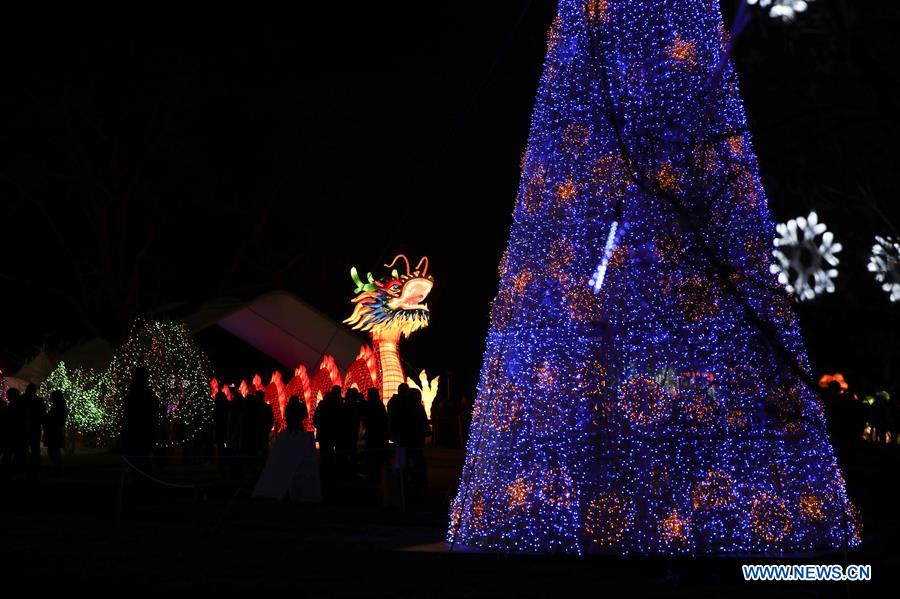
(154,479)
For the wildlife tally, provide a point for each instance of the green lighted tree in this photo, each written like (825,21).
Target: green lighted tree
(179,374)
(83,391)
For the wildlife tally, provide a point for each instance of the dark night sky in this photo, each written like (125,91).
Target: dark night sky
(168,159)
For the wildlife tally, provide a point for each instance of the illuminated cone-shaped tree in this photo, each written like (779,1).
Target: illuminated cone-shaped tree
(644,387)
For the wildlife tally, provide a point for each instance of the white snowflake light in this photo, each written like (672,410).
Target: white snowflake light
(786,10)
(884,261)
(805,251)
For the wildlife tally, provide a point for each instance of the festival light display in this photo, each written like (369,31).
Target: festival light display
(884,263)
(389,308)
(805,251)
(84,393)
(276,397)
(178,375)
(427,387)
(827,379)
(645,388)
(327,377)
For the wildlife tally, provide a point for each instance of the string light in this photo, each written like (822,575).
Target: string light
(653,417)
(83,392)
(178,374)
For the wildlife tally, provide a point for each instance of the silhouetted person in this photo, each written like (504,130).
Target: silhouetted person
(326,419)
(291,471)
(408,420)
(238,422)
(888,424)
(895,420)
(9,431)
(409,427)
(141,420)
(395,410)
(295,413)
(348,434)
(250,413)
(33,412)
(438,416)
(55,430)
(421,430)
(265,421)
(374,419)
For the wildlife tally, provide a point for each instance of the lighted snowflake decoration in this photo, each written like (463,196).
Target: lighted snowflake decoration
(786,10)
(805,251)
(884,261)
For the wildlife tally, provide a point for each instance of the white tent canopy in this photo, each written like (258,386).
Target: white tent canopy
(283,327)
(278,324)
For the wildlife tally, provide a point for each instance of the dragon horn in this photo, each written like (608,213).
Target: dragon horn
(360,286)
(425,260)
(394,261)
(355,276)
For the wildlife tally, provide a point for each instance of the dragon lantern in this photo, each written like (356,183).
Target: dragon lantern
(389,308)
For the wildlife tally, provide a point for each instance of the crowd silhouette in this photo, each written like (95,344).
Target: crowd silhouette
(361,442)
(24,422)
(365,448)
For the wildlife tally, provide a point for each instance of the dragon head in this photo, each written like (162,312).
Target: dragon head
(392,305)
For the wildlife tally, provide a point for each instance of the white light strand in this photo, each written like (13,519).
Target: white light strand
(596,282)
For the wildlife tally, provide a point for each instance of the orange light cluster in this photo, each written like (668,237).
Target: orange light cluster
(596,11)
(547,376)
(558,488)
(517,493)
(608,517)
(684,51)
(714,491)
(610,174)
(505,409)
(735,144)
(566,192)
(520,283)
(533,191)
(643,401)
(770,518)
(837,377)
(553,35)
(667,178)
(811,507)
(575,138)
(674,529)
